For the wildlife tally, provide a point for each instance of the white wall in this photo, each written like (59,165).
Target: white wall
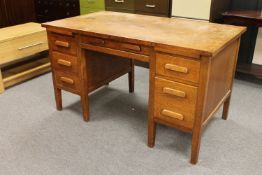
(258,50)
(191,8)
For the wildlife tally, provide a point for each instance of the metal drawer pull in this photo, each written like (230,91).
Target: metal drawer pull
(172,114)
(67,80)
(62,44)
(176,68)
(174,92)
(119,1)
(31,45)
(64,62)
(150,6)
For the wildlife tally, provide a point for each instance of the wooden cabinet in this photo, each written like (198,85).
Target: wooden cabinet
(148,7)
(49,10)
(14,12)
(90,6)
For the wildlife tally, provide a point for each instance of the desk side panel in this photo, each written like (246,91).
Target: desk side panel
(220,79)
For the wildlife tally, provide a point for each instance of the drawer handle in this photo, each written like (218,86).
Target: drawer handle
(119,1)
(131,47)
(29,46)
(150,6)
(172,114)
(67,80)
(64,62)
(97,41)
(62,44)
(174,92)
(176,68)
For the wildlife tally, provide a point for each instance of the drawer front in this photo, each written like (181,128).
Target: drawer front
(95,4)
(175,102)
(120,5)
(22,47)
(128,47)
(67,81)
(152,6)
(63,43)
(177,67)
(66,63)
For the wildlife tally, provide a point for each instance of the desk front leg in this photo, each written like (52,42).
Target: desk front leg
(84,86)
(151,122)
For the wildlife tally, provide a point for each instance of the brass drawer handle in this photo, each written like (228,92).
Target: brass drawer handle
(29,46)
(119,1)
(150,6)
(131,47)
(174,92)
(172,114)
(64,62)
(62,44)
(176,68)
(67,80)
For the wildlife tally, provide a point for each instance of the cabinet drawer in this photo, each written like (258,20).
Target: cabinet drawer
(63,43)
(152,6)
(143,50)
(175,102)
(67,81)
(20,47)
(177,67)
(66,63)
(120,5)
(94,4)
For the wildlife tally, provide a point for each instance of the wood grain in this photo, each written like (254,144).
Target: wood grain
(186,57)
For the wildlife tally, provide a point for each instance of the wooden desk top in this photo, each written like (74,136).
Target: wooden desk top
(198,37)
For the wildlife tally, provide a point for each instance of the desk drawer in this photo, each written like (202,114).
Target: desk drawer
(20,47)
(152,7)
(66,63)
(175,102)
(120,5)
(67,81)
(128,47)
(63,43)
(177,67)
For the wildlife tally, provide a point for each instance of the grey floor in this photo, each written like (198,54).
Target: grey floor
(36,139)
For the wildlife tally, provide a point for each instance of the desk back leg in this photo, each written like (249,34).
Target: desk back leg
(131,77)
(2,88)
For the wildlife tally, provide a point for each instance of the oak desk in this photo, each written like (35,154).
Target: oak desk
(192,64)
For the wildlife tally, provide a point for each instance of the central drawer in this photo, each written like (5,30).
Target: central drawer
(175,102)
(128,47)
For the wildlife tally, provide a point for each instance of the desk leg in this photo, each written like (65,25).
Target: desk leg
(2,88)
(85,106)
(151,132)
(131,77)
(58,98)
(151,123)
(226,108)
(196,140)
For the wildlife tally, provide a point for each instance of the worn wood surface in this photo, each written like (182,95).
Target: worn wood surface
(182,34)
